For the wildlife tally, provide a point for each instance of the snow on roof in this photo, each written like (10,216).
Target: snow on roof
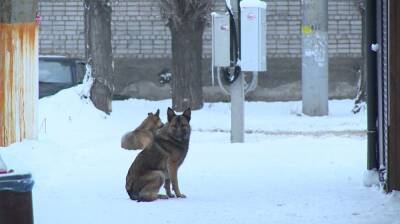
(253,3)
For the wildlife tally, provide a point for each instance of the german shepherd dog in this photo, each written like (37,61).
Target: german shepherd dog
(143,135)
(158,163)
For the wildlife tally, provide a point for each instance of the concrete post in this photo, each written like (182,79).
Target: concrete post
(237,89)
(315,57)
(237,110)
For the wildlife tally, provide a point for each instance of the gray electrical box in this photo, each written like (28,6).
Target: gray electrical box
(220,40)
(253,35)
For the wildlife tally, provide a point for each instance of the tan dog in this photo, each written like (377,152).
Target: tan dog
(143,135)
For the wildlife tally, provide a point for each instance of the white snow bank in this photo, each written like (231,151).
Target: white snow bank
(68,111)
(395,198)
(79,168)
(3,167)
(371,178)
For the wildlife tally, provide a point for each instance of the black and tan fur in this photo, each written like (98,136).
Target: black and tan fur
(158,163)
(143,135)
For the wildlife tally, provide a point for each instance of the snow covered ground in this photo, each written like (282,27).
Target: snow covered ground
(292,168)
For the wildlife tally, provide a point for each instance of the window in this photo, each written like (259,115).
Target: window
(54,72)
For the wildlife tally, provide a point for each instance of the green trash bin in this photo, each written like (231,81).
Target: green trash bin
(16,199)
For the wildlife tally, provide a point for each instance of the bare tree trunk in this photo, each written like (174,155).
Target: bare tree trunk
(99,52)
(186,21)
(186,68)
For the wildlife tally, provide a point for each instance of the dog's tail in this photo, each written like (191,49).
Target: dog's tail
(138,139)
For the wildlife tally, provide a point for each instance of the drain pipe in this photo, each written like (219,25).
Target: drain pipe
(370,65)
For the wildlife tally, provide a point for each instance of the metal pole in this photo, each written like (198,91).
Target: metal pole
(380,88)
(371,73)
(237,110)
(237,89)
(315,57)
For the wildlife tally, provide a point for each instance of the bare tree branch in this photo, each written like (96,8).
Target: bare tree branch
(180,12)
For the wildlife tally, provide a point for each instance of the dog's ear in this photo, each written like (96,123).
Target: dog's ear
(170,114)
(187,113)
(149,114)
(157,113)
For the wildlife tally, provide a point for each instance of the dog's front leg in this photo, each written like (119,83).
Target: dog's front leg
(173,171)
(167,186)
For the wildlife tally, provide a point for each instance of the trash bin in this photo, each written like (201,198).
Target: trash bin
(16,199)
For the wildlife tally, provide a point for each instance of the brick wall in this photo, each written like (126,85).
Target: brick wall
(62,28)
(139,31)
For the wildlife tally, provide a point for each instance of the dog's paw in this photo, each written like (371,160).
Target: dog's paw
(181,196)
(170,195)
(163,196)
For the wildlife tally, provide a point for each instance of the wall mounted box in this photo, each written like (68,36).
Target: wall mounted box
(220,40)
(253,35)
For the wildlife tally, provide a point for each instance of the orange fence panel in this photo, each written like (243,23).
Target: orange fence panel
(19,62)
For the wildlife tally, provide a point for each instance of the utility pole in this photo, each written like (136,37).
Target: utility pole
(315,57)
(237,88)
(237,110)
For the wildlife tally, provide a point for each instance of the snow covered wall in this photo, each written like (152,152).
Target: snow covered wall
(18,82)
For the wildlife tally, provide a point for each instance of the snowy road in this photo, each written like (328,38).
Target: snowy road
(80,169)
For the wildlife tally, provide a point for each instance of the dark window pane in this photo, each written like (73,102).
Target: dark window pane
(54,72)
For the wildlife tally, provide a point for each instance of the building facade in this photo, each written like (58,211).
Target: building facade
(142,46)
